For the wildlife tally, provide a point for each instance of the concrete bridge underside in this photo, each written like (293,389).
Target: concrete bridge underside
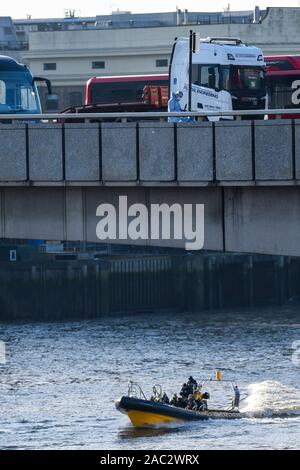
(237,219)
(247,174)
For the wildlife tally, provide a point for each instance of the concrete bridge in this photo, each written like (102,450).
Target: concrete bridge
(247,174)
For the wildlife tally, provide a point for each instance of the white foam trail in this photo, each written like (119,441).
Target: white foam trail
(272,399)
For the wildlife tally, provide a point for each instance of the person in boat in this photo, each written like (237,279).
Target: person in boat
(182,402)
(174,401)
(191,404)
(188,388)
(179,402)
(192,381)
(204,405)
(154,396)
(191,385)
(198,397)
(165,399)
(237,397)
(201,399)
(184,392)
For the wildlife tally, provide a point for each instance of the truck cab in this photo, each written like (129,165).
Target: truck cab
(226,75)
(18,90)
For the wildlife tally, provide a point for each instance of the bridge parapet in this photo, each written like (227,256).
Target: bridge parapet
(236,153)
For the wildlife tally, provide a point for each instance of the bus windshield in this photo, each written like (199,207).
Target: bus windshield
(243,78)
(120,92)
(18,93)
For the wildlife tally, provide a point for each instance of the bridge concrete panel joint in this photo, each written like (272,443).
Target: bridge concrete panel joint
(157,152)
(45,143)
(82,152)
(13,153)
(297,148)
(119,152)
(233,141)
(274,150)
(263,220)
(195,150)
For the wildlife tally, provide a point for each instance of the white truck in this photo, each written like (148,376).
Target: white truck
(225,75)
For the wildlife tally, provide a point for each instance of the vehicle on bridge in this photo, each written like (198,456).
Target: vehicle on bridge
(282,85)
(18,88)
(219,74)
(121,89)
(283,80)
(151,98)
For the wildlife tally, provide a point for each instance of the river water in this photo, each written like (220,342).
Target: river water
(60,380)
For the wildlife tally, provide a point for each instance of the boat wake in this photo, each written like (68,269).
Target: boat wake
(272,399)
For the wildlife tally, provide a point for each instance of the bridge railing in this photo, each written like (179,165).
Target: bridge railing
(47,149)
(150,115)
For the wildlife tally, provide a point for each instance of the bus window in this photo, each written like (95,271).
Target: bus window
(18,93)
(27,98)
(2,92)
(117,92)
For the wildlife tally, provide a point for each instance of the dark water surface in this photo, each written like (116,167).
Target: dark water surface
(60,380)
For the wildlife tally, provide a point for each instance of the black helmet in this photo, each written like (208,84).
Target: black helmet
(191,379)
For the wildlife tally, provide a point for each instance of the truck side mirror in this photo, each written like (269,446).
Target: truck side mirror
(52,100)
(45,80)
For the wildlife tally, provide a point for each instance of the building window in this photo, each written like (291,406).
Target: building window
(50,66)
(21,35)
(162,63)
(98,64)
(7,30)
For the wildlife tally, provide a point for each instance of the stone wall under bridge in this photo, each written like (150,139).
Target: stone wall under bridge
(58,290)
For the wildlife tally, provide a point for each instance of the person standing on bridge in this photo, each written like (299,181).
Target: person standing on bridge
(174,106)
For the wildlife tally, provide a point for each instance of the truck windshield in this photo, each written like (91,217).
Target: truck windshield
(241,78)
(18,93)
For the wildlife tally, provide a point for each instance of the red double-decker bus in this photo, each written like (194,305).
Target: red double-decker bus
(283,78)
(121,89)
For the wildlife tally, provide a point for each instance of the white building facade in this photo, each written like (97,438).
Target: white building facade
(70,57)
